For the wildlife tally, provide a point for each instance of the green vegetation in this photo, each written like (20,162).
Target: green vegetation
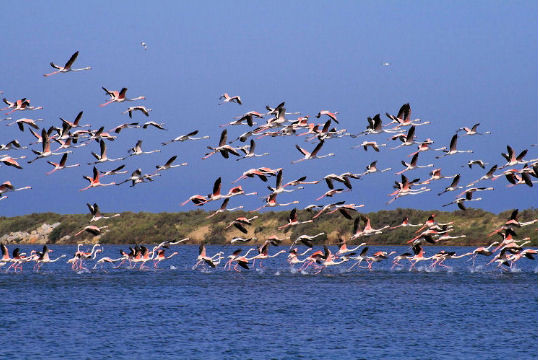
(144,227)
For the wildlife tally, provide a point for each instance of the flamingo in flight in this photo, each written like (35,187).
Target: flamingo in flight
(61,165)
(12,144)
(186,137)
(11,161)
(67,67)
(211,261)
(24,121)
(403,117)
(372,144)
(92,229)
(144,110)
(412,165)
(223,148)
(311,155)
(223,208)
(102,157)
(270,201)
(226,98)
(46,148)
(472,131)
(96,214)
(169,165)
(293,221)
(250,152)
(372,168)
(453,148)
(406,140)
(6,186)
(94,180)
(118,96)
(331,115)
(453,186)
(115,171)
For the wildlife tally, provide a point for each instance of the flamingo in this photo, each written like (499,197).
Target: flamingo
(484,251)
(405,188)
(25,121)
(241,260)
(20,105)
(407,140)
(43,257)
(11,161)
(240,222)
(515,179)
(307,240)
(468,197)
(328,260)
(378,257)
(75,123)
(263,253)
(160,256)
(270,201)
(169,165)
(412,165)
(280,188)
(119,128)
(94,180)
(67,67)
(343,249)
(12,144)
(311,155)
(424,146)
(512,159)
(403,117)
(367,230)
(115,171)
(239,239)
(189,136)
(209,260)
(405,223)
(92,229)
(453,186)
(372,168)
(247,117)
(453,148)
(154,124)
(222,148)
(46,148)
(137,150)
(398,258)
(6,186)
(331,115)
(480,163)
(418,256)
(372,144)
(226,98)
(61,165)
(250,152)
(130,110)
(472,131)
(118,96)
(293,220)
(252,173)
(96,214)
(344,208)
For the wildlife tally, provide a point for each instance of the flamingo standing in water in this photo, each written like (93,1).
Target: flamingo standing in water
(118,96)
(67,67)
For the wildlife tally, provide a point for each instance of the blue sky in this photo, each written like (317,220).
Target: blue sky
(455,62)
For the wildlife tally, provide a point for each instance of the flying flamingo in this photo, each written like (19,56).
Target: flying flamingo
(250,152)
(367,230)
(223,148)
(186,137)
(343,249)
(46,148)
(118,96)
(6,186)
(270,201)
(403,117)
(331,115)
(160,256)
(453,148)
(154,124)
(240,222)
(372,168)
(453,186)
(247,117)
(373,144)
(169,165)
(67,66)
(436,175)
(61,165)
(140,108)
(263,253)
(239,259)
(137,150)
(252,173)
(43,258)
(293,221)
(472,131)
(405,223)
(12,144)
(412,165)
(96,214)
(94,180)
(407,140)
(226,98)
(468,197)
(211,261)
(11,161)
(25,121)
(311,155)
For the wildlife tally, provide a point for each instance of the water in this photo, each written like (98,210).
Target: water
(175,312)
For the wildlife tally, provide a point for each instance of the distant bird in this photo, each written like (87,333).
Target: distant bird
(118,96)
(144,45)
(472,130)
(186,137)
(453,186)
(223,148)
(226,98)
(67,66)
(453,148)
(94,180)
(61,165)
(169,165)
(311,155)
(154,124)
(140,108)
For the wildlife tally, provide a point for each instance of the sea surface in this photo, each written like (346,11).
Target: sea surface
(174,312)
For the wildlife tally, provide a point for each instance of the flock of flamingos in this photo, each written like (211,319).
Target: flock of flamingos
(57,142)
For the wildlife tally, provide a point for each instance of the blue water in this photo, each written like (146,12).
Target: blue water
(175,312)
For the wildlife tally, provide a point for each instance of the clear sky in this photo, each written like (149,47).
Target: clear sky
(456,62)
